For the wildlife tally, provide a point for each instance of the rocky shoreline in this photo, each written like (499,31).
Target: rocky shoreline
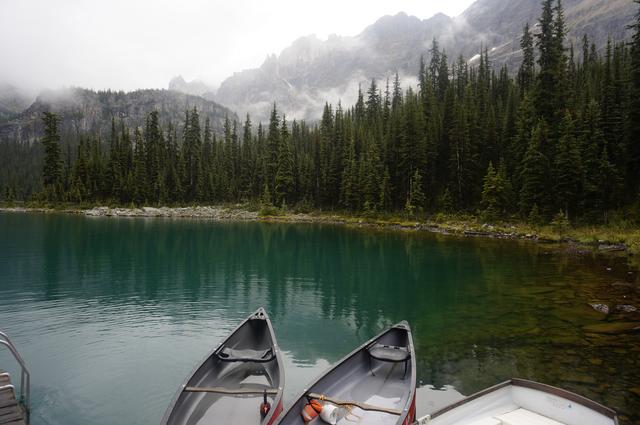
(221,213)
(214,213)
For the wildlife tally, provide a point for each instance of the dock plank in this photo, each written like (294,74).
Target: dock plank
(11,412)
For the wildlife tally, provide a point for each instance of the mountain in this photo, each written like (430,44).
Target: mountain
(195,87)
(83,110)
(12,101)
(311,71)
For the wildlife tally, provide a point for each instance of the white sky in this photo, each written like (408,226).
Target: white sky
(129,44)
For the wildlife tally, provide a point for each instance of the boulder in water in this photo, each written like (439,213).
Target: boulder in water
(602,308)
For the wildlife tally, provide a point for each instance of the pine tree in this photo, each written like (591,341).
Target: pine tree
(207,159)
(434,65)
(349,193)
(415,200)
(273,147)
(535,173)
(79,187)
(373,104)
(608,184)
(284,180)
(373,171)
(266,199)
(52,169)
(385,191)
(494,194)
(114,166)
(139,170)
(172,175)
(526,73)
(153,155)
(550,90)
(534,217)
(568,166)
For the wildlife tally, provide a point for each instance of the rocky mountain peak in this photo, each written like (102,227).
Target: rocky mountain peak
(311,71)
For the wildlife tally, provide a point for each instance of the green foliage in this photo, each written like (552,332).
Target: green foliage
(415,198)
(526,73)
(495,194)
(535,172)
(550,91)
(535,218)
(560,223)
(446,201)
(266,200)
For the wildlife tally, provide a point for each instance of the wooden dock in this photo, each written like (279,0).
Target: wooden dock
(11,411)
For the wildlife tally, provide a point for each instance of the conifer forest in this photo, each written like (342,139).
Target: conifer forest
(558,135)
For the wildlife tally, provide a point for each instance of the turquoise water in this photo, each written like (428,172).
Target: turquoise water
(111,314)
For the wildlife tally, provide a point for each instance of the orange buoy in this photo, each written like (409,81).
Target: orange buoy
(311,410)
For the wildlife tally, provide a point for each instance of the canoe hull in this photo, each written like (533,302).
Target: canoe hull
(359,378)
(244,365)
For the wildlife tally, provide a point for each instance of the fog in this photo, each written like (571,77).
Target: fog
(125,45)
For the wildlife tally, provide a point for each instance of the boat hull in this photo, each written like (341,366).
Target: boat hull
(229,385)
(529,400)
(362,381)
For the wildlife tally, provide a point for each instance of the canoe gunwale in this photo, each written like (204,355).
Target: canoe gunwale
(259,314)
(525,383)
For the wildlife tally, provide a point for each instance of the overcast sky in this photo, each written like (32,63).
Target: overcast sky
(129,44)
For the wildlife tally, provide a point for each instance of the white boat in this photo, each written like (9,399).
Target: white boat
(522,402)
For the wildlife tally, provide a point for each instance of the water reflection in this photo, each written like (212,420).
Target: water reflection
(132,304)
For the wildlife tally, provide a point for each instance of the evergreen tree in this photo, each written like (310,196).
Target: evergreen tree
(385,191)
(535,173)
(568,168)
(139,169)
(494,194)
(526,73)
(415,199)
(284,180)
(550,90)
(273,147)
(154,158)
(114,166)
(608,184)
(52,169)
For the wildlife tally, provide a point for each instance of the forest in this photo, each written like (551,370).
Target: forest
(559,136)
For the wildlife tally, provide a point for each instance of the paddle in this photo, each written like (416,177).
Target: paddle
(363,406)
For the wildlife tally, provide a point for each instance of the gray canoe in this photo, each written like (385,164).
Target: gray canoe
(229,385)
(519,401)
(380,374)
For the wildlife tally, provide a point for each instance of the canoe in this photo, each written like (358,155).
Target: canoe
(519,401)
(374,384)
(229,386)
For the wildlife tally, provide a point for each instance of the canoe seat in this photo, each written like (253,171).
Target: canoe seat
(389,353)
(227,354)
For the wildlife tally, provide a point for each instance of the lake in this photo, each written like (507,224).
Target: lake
(111,314)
